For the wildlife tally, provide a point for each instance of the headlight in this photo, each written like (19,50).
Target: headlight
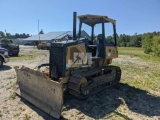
(6,53)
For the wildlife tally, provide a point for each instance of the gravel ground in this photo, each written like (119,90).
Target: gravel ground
(113,103)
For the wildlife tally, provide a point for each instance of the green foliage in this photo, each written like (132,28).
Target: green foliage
(1,34)
(5,40)
(156,45)
(147,43)
(151,44)
(13,96)
(27,117)
(8,34)
(110,38)
(21,35)
(136,40)
(17,35)
(41,32)
(129,41)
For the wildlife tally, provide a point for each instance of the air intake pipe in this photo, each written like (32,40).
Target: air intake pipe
(74,25)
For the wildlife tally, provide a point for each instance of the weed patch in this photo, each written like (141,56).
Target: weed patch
(23,57)
(27,117)
(13,96)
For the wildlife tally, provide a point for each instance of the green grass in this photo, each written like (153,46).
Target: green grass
(9,87)
(142,77)
(13,96)
(138,52)
(35,48)
(145,78)
(23,57)
(117,116)
(130,51)
(27,117)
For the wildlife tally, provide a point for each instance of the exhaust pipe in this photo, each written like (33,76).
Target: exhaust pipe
(74,25)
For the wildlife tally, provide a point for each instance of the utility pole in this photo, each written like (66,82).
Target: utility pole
(38,31)
(5,33)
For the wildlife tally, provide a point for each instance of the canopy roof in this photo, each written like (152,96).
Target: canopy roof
(94,19)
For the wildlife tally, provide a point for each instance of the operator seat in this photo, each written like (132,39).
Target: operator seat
(98,47)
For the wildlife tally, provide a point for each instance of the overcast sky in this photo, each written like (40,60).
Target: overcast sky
(21,16)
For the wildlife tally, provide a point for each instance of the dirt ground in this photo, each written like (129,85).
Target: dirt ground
(120,102)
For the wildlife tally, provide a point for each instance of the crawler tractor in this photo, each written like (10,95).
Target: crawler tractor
(80,67)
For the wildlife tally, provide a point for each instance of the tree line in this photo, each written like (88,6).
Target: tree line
(150,42)
(5,40)
(17,35)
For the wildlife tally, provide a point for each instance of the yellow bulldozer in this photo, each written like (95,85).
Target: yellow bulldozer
(80,67)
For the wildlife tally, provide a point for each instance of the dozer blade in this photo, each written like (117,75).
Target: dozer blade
(39,90)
